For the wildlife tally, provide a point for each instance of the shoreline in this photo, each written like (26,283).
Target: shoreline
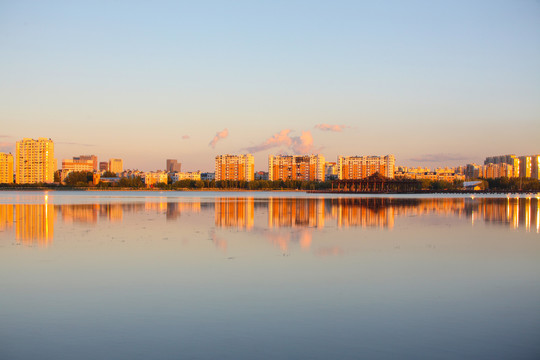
(329,192)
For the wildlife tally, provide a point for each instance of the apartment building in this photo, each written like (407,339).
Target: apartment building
(296,167)
(6,168)
(116,165)
(35,162)
(234,167)
(359,167)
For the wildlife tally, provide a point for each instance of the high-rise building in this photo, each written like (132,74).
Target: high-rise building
(473,171)
(6,168)
(535,167)
(235,167)
(510,159)
(116,165)
(525,166)
(289,167)
(35,162)
(493,171)
(103,166)
(173,166)
(359,167)
(84,158)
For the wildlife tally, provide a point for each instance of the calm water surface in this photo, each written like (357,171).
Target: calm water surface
(193,275)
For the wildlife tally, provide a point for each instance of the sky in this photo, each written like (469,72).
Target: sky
(436,83)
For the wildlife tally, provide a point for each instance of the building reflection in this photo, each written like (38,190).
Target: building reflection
(175,209)
(34,224)
(235,212)
(513,212)
(80,213)
(6,217)
(296,212)
(113,212)
(373,212)
(367,212)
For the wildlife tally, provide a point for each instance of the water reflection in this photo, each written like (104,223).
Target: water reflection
(34,224)
(235,212)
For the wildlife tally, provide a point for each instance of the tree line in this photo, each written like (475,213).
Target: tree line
(85,180)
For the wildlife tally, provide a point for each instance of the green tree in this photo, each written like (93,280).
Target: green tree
(109,174)
(79,178)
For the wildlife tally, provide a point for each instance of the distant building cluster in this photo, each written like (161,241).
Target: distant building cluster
(439,174)
(34,163)
(305,167)
(510,166)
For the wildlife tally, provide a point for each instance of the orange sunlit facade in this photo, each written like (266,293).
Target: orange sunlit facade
(6,168)
(69,166)
(35,162)
(235,167)
(360,167)
(289,167)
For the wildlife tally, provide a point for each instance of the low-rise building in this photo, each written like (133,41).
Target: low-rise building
(208,176)
(177,176)
(152,178)
(131,174)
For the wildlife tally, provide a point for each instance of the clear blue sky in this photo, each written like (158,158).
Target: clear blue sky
(433,82)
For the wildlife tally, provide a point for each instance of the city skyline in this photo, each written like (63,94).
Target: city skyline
(36,163)
(457,82)
(257,167)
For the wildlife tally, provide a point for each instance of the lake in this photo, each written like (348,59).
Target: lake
(279,275)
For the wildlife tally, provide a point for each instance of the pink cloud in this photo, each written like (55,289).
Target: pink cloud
(299,144)
(302,144)
(219,135)
(185,137)
(328,127)
(280,139)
